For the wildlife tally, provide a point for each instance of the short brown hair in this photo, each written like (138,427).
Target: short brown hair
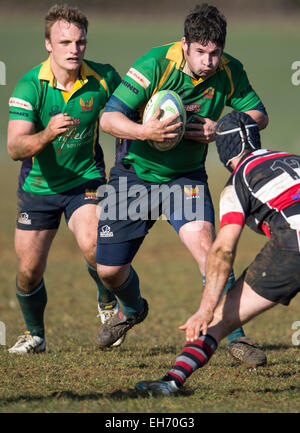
(205,24)
(64,13)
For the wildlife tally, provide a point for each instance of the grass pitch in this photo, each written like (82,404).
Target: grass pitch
(73,375)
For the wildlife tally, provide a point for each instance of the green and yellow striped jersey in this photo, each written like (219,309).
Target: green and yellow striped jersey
(165,68)
(75,156)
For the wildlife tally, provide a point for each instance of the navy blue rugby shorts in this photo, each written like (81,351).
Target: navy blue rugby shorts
(43,212)
(130,207)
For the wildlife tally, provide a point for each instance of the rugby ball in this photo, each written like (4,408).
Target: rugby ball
(170,103)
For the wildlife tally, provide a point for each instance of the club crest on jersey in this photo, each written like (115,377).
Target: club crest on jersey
(192,192)
(54,110)
(86,105)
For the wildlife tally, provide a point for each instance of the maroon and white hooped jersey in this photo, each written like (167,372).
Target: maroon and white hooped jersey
(264,193)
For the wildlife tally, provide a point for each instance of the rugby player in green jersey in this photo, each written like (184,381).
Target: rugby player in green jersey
(53,130)
(207,79)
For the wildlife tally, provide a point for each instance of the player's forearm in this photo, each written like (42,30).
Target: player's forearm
(260,118)
(120,126)
(26,146)
(219,265)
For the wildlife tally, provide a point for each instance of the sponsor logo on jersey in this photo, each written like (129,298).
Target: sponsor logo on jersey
(192,192)
(74,137)
(209,93)
(86,105)
(138,77)
(24,218)
(54,110)
(195,108)
(90,194)
(105,232)
(19,113)
(297,196)
(20,103)
(130,87)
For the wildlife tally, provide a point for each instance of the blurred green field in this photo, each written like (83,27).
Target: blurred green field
(267,49)
(73,376)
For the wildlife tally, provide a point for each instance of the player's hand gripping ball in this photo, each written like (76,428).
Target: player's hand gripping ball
(170,104)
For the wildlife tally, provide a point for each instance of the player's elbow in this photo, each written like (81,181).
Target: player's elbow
(224,252)
(17,152)
(12,152)
(105,122)
(259,117)
(264,121)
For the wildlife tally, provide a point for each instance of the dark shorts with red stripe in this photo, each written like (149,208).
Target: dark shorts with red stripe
(275,273)
(43,212)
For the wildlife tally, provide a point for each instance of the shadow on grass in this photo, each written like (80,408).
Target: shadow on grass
(292,388)
(276,346)
(118,395)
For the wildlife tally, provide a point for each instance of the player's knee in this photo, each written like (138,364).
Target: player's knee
(88,246)
(112,276)
(28,279)
(205,240)
(90,256)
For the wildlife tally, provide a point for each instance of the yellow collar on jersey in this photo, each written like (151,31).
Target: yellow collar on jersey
(175,54)
(46,74)
(85,71)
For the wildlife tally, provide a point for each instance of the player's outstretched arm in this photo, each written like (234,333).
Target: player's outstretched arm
(218,267)
(23,142)
(117,124)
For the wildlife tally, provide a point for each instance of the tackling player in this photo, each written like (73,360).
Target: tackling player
(53,130)
(207,79)
(262,192)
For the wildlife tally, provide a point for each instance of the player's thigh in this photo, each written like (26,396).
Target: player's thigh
(240,305)
(81,213)
(198,237)
(252,304)
(122,228)
(114,260)
(272,277)
(115,255)
(193,217)
(84,223)
(32,248)
(38,218)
